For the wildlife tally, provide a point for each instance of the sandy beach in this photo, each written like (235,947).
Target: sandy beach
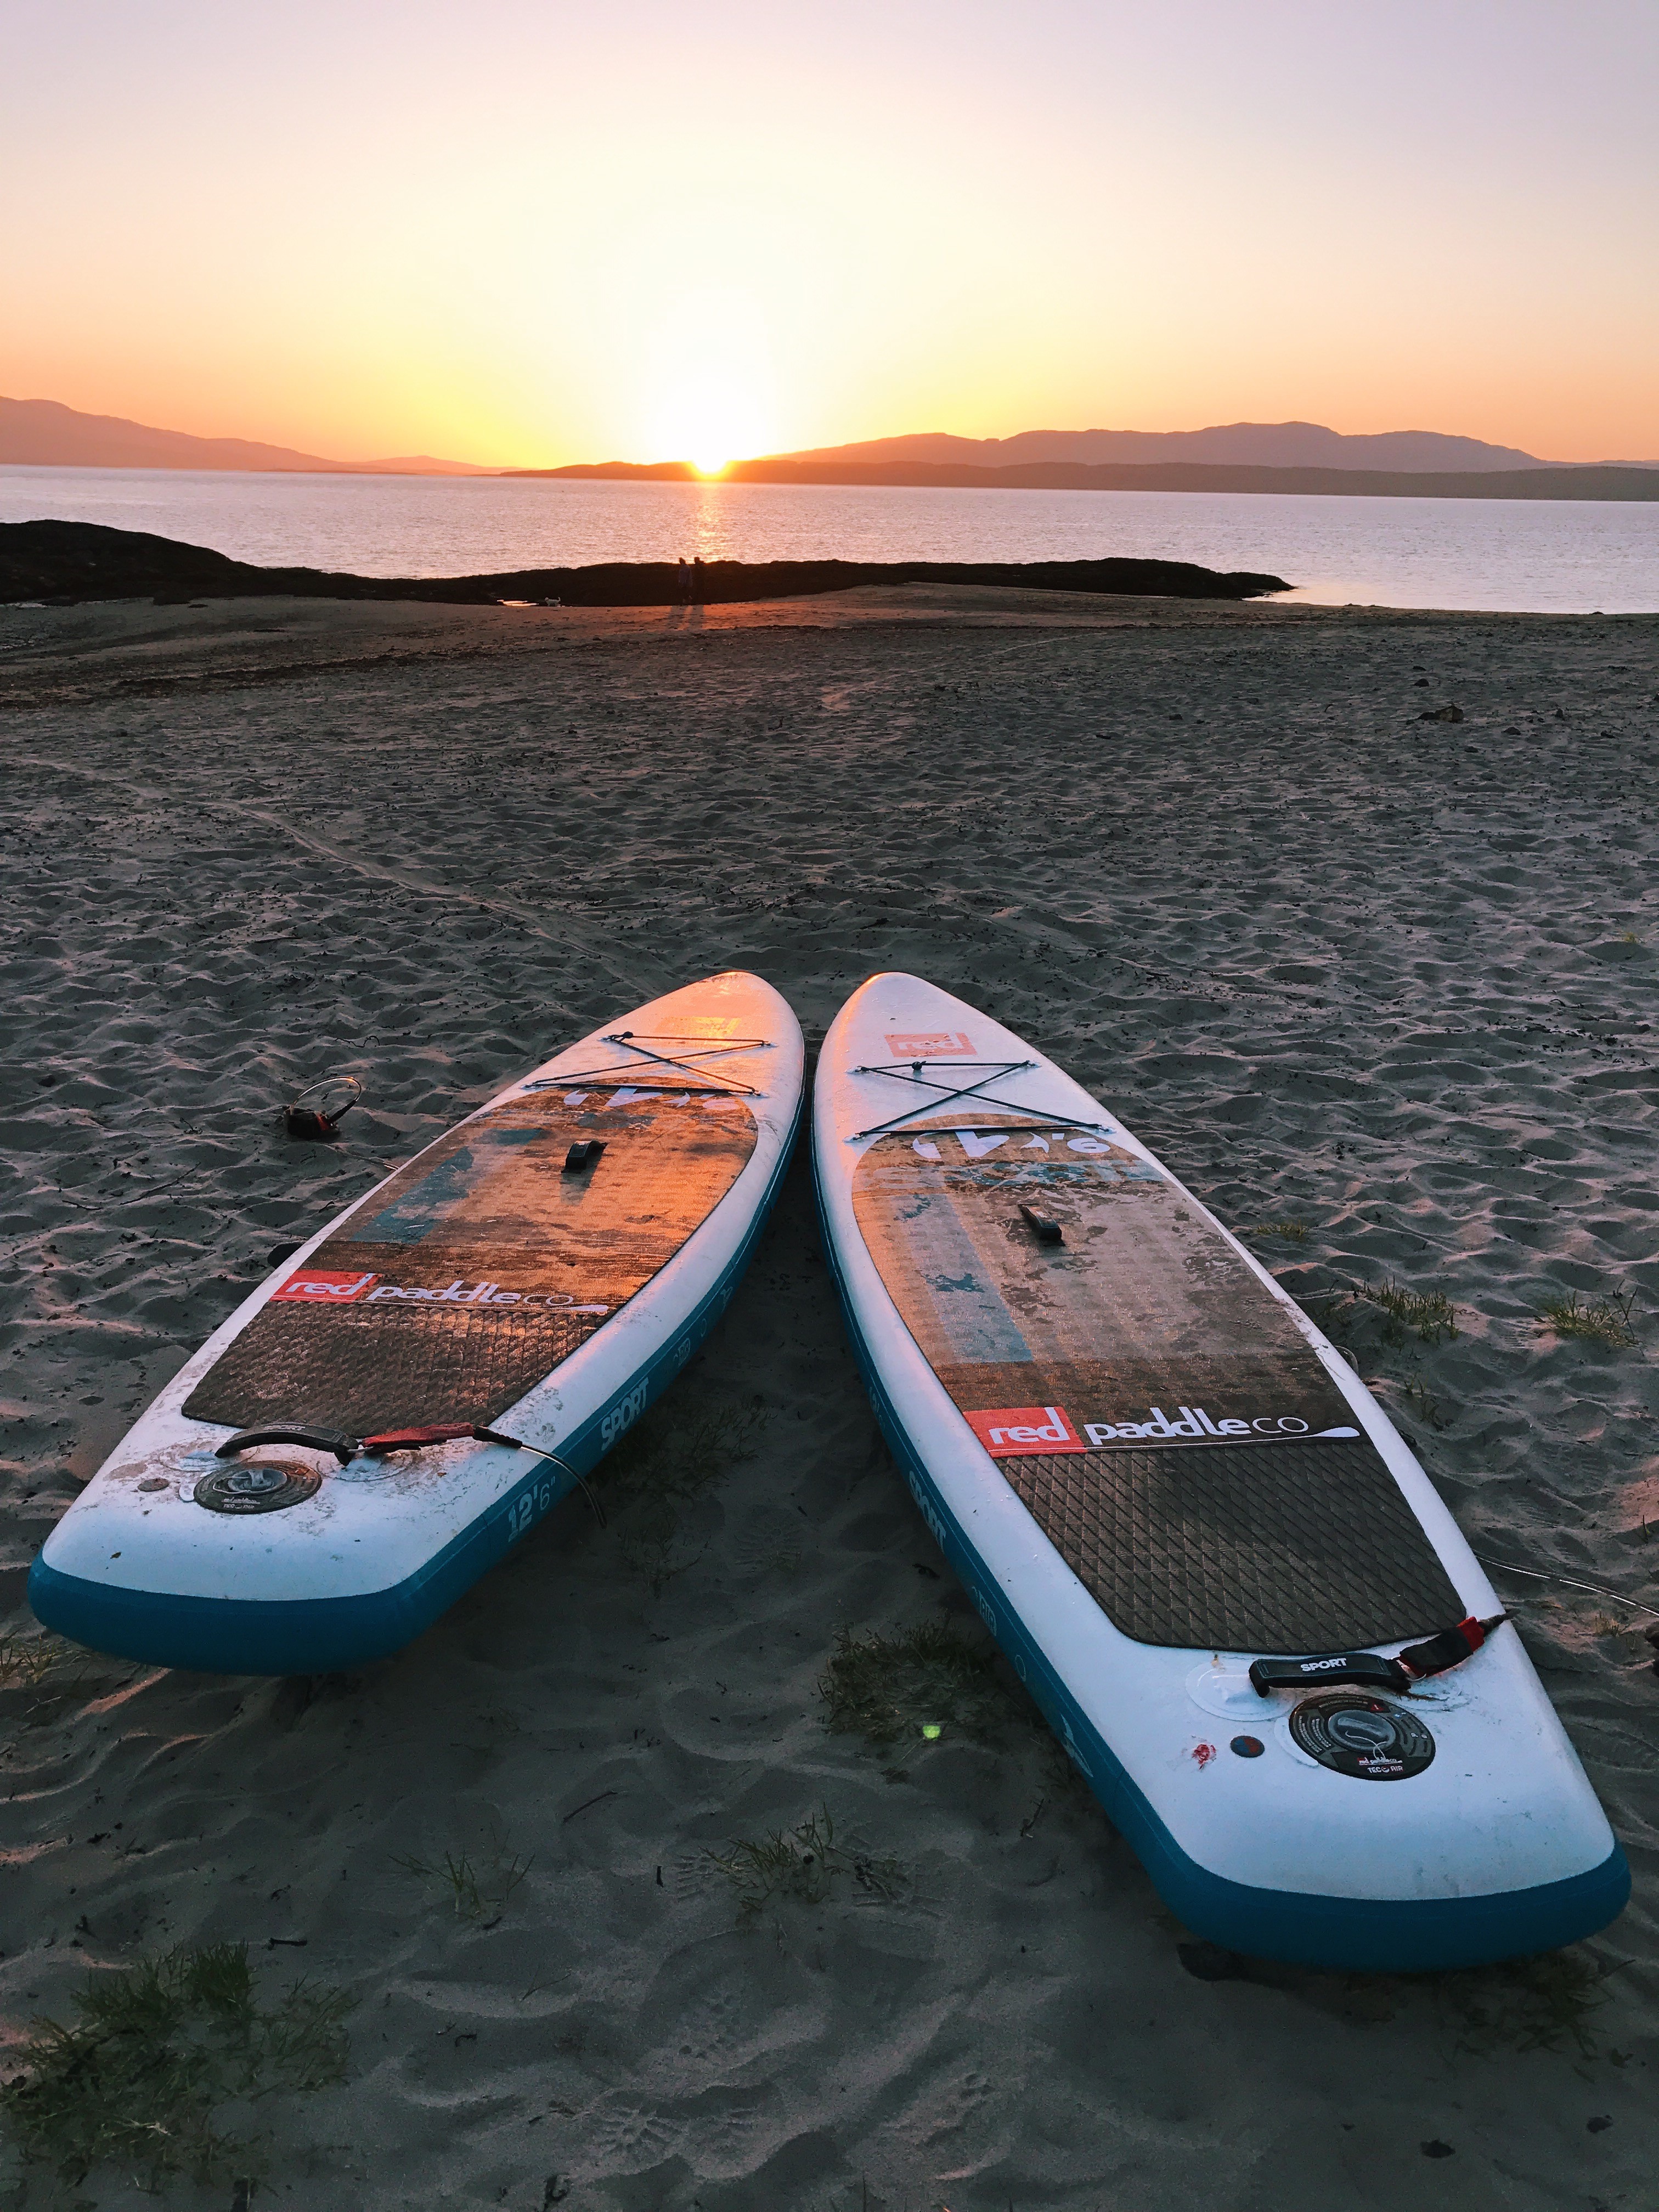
(1379,985)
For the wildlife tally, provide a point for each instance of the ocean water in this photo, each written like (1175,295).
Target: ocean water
(1556,556)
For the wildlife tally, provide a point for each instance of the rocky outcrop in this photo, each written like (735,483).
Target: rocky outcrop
(85,561)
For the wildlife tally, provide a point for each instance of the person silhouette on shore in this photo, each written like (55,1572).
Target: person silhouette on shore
(684,581)
(698,581)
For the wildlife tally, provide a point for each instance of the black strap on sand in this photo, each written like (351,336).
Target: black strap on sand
(1369,1669)
(319,1123)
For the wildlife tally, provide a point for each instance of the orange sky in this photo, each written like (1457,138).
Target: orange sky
(539,232)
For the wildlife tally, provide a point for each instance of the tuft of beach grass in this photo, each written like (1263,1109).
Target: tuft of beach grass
(1606,1320)
(1431,1313)
(479,1892)
(805,1862)
(923,1686)
(27,1661)
(1423,1402)
(134,2079)
(1544,2003)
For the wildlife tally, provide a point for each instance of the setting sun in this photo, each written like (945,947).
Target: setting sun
(706,393)
(709,415)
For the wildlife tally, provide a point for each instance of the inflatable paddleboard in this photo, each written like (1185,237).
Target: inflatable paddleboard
(435,1370)
(1207,1553)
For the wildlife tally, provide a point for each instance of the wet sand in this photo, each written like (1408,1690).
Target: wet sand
(1387,980)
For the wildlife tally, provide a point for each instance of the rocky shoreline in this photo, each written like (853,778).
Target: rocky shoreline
(64,563)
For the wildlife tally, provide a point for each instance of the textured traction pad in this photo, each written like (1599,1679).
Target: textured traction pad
(1263,1548)
(375,1368)
(1155,1409)
(481,1265)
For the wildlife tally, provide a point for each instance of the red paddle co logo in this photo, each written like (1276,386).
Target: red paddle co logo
(1007,1430)
(327,1287)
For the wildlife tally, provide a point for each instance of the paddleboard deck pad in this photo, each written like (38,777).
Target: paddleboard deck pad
(429,1375)
(481,1265)
(1204,1547)
(1168,1429)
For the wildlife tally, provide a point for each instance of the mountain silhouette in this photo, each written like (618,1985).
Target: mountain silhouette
(1247,444)
(45,434)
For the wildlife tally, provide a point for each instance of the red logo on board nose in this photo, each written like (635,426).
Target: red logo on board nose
(930,1044)
(1007,1430)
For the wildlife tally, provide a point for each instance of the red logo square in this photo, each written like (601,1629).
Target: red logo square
(322,1287)
(1008,1432)
(931,1044)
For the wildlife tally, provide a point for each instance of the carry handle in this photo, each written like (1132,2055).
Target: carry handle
(1451,1648)
(1369,1668)
(346,1448)
(329,1440)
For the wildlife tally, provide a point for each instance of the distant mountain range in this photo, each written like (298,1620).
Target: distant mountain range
(1295,457)
(1239,445)
(1258,457)
(44,434)
(1302,457)
(1538,480)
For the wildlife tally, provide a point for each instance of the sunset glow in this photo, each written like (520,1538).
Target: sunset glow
(640,233)
(706,396)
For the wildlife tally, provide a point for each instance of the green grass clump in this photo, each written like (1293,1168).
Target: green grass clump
(1544,2004)
(1431,1313)
(1295,1232)
(1608,1319)
(1426,1404)
(135,2081)
(27,1661)
(927,1684)
(665,1463)
(804,1862)
(480,1893)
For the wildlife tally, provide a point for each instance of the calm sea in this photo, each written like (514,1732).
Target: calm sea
(1546,555)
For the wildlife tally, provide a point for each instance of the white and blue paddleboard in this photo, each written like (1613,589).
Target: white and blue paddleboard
(435,1370)
(1206,1550)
